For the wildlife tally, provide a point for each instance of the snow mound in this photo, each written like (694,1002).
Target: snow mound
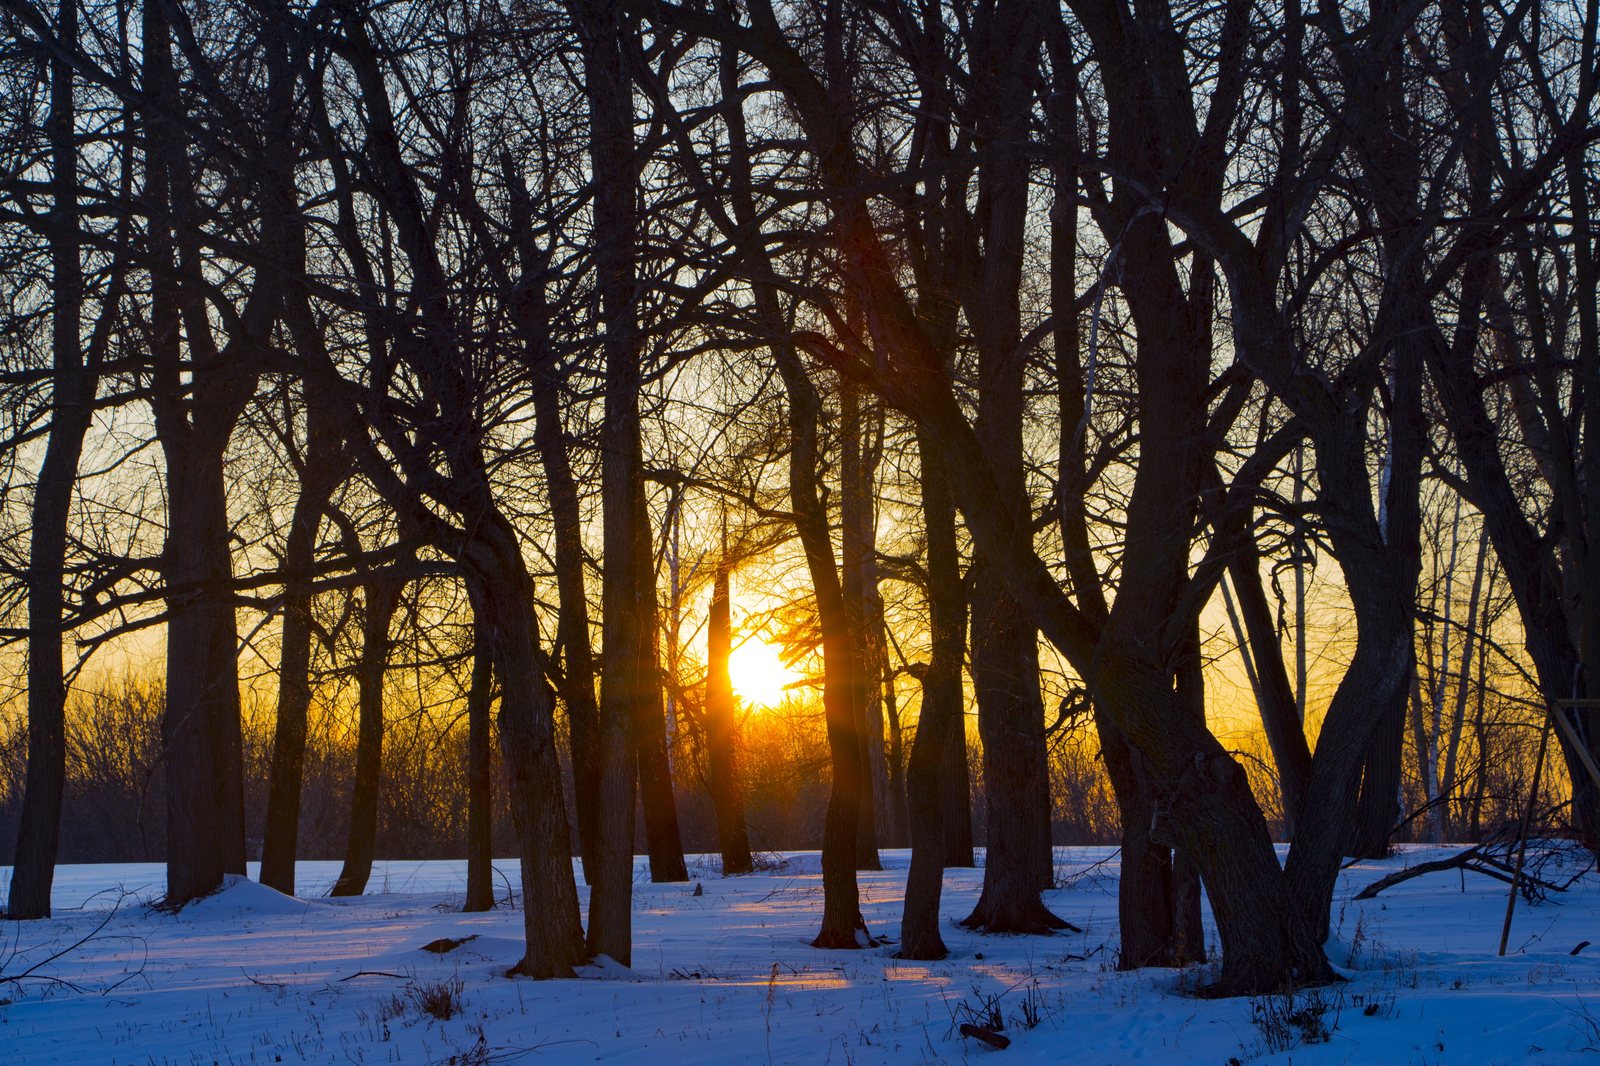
(239,896)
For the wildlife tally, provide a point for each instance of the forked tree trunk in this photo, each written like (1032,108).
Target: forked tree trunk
(1005,643)
(198,391)
(480,782)
(71,407)
(721,732)
(382,594)
(486,544)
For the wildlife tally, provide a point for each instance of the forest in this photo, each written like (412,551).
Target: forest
(556,429)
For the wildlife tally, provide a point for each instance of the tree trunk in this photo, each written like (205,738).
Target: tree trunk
(898,832)
(721,732)
(196,402)
(480,781)
(504,599)
(578,673)
(941,719)
(858,576)
(321,473)
(73,388)
(1005,674)
(1378,808)
(625,640)
(382,593)
(662,837)
(955,782)
(530,311)
(841,901)
(1005,645)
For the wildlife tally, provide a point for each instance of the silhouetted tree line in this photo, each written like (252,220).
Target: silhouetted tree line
(1095,336)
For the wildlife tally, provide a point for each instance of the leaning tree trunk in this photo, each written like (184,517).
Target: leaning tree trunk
(71,407)
(721,732)
(383,599)
(480,805)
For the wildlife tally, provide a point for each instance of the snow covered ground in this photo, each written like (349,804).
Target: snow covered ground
(250,976)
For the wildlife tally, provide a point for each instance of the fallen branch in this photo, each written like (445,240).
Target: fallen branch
(1477,859)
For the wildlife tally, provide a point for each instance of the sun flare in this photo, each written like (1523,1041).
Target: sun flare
(758,673)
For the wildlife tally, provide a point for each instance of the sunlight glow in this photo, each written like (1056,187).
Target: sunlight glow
(758,673)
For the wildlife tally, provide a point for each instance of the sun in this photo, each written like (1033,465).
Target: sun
(758,673)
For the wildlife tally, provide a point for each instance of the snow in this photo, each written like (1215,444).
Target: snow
(253,976)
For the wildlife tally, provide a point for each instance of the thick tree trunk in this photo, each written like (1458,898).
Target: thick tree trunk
(200,729)
(39,828)
(1005,670)
(198,391)
(382,594)
(1005,674)
(1208,813)
(480,780)
(721,733)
